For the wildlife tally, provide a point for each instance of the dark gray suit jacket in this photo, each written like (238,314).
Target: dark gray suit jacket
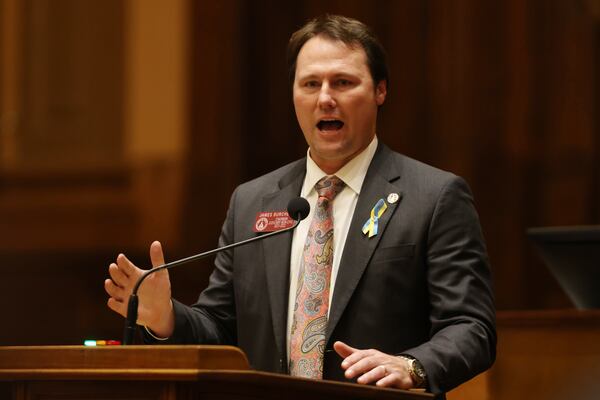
(421,286)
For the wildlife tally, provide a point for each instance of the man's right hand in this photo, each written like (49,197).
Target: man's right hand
(155,309)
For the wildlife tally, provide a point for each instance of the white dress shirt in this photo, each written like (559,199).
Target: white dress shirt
(352,174)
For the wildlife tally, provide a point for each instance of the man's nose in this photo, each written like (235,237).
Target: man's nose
(326,99)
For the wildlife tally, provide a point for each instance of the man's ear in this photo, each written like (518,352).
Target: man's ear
(380,92)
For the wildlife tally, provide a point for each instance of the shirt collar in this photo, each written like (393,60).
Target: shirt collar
(352,173)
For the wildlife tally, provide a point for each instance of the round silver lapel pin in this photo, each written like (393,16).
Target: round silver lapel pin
(392,198)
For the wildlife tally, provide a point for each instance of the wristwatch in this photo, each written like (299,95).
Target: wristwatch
(416,371)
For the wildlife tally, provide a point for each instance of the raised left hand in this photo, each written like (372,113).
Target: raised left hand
(373,366)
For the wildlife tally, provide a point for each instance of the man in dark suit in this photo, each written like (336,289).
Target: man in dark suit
(386,282)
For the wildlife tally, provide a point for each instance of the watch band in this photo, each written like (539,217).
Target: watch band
(416,371)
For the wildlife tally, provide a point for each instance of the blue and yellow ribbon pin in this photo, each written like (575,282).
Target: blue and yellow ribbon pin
(371,226)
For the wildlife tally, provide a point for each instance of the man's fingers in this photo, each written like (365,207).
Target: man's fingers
(362,366)
(383,374)
(156,254)
(395,380)
(343,349)
(373,375)
(355,357)
(126,266)
(117,292)
(373,366)
(117,306)
(117,275)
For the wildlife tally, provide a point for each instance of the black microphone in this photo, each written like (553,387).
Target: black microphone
(297,208)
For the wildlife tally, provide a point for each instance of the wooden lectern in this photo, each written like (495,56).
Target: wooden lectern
(161,373)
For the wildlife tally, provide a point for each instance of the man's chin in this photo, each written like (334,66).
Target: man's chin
(330,158)
(329,151)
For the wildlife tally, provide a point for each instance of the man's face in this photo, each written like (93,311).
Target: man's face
(336,101)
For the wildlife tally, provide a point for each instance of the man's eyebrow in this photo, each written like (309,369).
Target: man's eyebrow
(346,75)
(336,75)
(308,76)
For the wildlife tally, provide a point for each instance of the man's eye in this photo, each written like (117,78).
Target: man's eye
(312,84)
(344,82)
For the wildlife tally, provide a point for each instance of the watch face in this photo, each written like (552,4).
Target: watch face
(419,368)
(417,372)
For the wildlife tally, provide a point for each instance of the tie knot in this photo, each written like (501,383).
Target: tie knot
(329,187)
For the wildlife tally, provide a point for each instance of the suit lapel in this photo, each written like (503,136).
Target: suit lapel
(277,253)
(359,247)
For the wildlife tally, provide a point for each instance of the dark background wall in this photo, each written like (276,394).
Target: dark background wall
(504,93)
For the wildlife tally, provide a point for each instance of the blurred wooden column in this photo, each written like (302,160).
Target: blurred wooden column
(156,122)
(214,158)
(10,37)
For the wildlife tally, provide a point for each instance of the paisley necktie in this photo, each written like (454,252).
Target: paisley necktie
(309,324)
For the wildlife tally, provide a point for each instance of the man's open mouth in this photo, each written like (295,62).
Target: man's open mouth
(330,125)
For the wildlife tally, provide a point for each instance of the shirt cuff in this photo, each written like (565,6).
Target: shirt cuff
(149,332)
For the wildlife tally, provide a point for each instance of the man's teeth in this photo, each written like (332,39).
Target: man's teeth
(330,124)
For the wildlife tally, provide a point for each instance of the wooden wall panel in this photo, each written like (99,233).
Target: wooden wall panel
(71,112)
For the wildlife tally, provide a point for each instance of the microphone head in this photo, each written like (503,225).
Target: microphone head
(298,208)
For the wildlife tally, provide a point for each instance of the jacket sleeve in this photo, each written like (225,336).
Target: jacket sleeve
(463,334)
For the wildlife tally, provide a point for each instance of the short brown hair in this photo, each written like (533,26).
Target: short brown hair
(348,30)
